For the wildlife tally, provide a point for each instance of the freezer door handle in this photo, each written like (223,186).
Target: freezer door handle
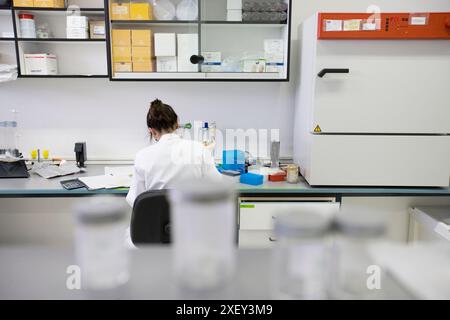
(197,59)
(322,73)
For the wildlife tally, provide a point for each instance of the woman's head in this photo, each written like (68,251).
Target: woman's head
(161,119)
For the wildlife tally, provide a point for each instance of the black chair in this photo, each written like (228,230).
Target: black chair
(150,220)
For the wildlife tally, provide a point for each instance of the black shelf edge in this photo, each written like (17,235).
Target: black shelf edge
(155,21)
(243,22)
(59,76)
(58,40)
(57,9)
(7,39)
(5,8)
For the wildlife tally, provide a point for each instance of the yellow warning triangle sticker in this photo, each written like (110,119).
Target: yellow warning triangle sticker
(317,129)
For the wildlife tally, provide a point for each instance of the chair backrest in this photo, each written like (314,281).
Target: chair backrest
(150,220)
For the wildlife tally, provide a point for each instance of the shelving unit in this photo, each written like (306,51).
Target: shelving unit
(231,38)
(77,58)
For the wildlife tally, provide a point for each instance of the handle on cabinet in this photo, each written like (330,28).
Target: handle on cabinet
(197,59)
(322,73)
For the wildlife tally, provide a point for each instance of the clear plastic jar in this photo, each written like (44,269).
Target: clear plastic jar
(351,263)
(27,25)
(204,234)
(100,243)
(299,257)
(292,173)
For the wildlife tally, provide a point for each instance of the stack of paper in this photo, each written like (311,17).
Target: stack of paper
(119,177)
(52,171)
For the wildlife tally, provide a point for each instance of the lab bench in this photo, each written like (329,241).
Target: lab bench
(37,187)
(29,208)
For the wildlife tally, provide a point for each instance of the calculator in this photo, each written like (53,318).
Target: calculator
(72,184)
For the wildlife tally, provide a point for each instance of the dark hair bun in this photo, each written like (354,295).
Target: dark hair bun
(161,117)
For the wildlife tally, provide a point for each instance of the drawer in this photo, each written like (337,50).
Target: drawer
(260,215)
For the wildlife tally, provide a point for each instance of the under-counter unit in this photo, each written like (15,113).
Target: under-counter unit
(256,48)
(372,107)
(258,214)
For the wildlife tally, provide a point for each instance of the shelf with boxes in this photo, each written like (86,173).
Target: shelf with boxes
(52,40)
(211,44)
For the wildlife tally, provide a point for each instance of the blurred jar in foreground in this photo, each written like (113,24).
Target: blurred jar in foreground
(351,264)
(292,173)
(203,215)
(99,243)
(299,257)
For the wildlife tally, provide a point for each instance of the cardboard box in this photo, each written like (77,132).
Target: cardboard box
(122,67)
(121,54)
(23,3)
(141,11)
(40,64)
(97,29)
(141,38)
(141,54)
(146,66)
(166,64)
(77,22)
(49,3)
(77,33)
(121,37)
(165,45)
(187,46)
(120,11)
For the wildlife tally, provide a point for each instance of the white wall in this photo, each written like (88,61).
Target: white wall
(111,116)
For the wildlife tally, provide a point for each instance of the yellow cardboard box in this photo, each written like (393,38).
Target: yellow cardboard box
(120,11)
(50,3)
(123,67)
(121,54)
(23,3)
(141,54)
(141,11)
(146,66)
(121,37)
(141,38)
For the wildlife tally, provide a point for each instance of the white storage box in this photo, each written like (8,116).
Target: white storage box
(187,47)
(166,64)
(77,22)
(40,64)
(77,33)
(165,45)
(213,61)
(234,15)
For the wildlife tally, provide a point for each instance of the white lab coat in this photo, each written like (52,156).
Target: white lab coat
(171,159)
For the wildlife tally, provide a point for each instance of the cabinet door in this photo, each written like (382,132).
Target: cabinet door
(394,86)
(164,43)
(242,42)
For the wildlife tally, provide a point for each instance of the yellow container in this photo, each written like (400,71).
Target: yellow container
(141,38)
(23,3)
(50,3)
(120,11)
(146,66)
(121,38)
(123,67)
(141,54)
(121,54)
(141,11)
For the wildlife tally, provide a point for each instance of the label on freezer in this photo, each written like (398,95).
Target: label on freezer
(352,25)
(333,25)
(418,21)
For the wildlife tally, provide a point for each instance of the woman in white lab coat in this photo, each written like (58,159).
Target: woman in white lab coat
(171,159)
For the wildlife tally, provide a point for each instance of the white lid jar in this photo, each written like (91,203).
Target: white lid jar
(27,25)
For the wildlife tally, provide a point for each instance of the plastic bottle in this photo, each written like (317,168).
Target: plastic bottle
(27,25)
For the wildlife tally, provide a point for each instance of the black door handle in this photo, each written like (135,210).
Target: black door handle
(197,59)
(332,70)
